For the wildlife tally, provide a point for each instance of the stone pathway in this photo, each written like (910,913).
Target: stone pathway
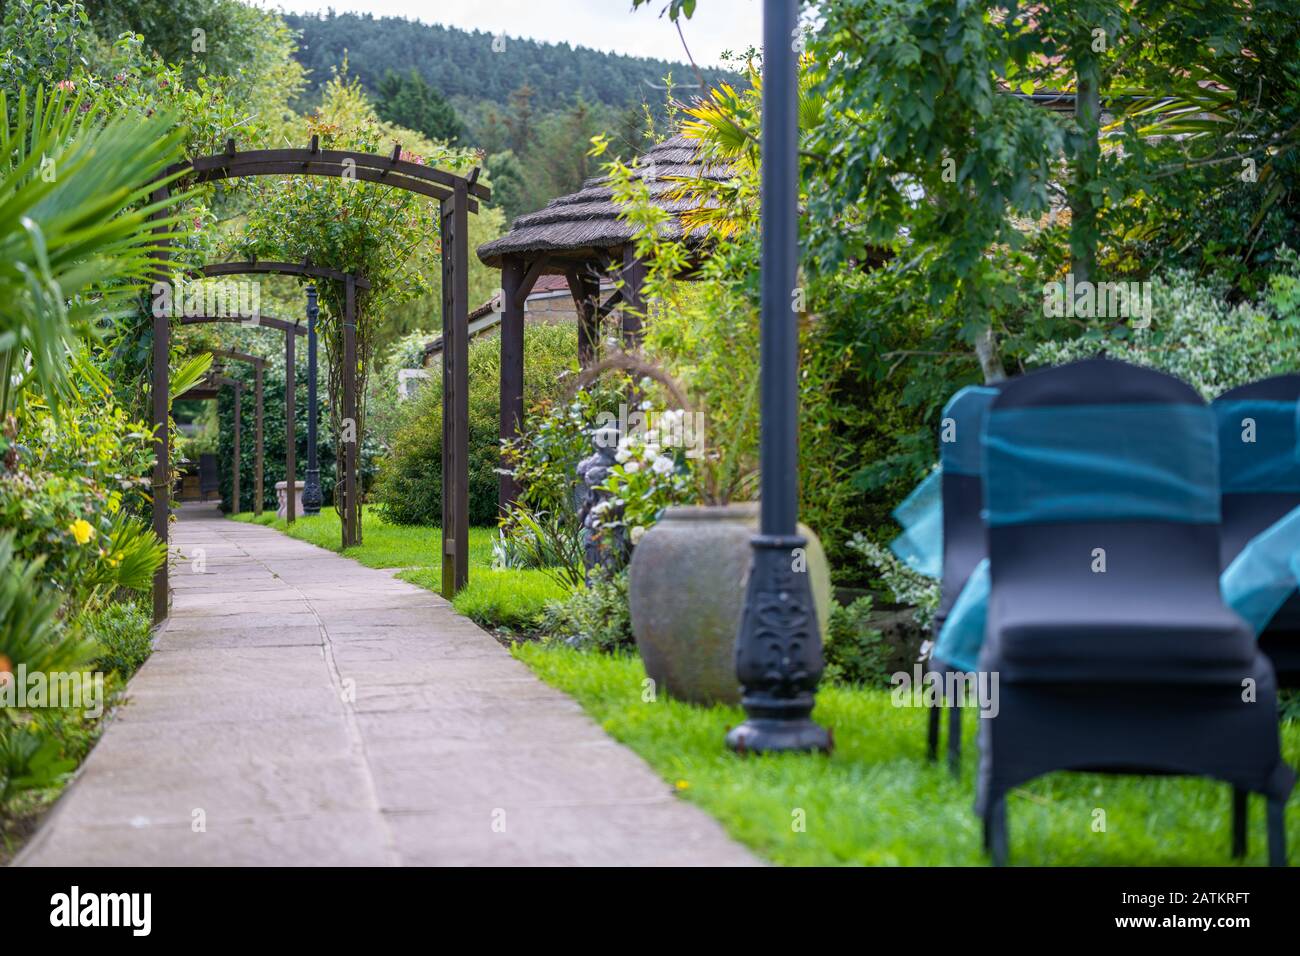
(303,710)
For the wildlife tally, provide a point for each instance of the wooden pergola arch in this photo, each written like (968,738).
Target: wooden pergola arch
(235,385)
(259,370)
(290,330)
(351,282)
(457,196)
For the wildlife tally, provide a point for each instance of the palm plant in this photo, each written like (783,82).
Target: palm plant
(77,241)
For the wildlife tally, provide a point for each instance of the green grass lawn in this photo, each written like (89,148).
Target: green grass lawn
(877,801)
(383,545)
(512,599)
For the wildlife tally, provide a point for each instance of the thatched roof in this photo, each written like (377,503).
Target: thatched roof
(581,223)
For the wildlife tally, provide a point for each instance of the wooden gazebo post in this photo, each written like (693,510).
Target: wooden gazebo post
(585,289)
(634,272)
(512,368)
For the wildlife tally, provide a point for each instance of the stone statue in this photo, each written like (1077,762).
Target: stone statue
(608,549)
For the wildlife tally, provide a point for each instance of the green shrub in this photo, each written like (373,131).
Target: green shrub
(1198,334)
(409,485)
(122,632)
(595,616)
(855,653)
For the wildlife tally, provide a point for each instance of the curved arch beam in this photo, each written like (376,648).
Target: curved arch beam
(383,167)
(301,162)
(258,267)
(254,321)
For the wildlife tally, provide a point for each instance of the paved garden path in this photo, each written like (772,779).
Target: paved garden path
(301,709)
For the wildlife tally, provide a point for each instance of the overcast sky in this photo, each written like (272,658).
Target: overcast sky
(718,25)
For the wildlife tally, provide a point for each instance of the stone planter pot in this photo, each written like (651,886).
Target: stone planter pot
(686,585)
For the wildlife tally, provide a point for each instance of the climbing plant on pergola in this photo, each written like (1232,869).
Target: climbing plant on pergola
(458,196)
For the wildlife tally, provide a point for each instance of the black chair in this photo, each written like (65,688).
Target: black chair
(964,542)
(1113,649)
(1259,474)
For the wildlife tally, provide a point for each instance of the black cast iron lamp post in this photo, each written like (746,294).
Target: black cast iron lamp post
(311,493)
(778,649)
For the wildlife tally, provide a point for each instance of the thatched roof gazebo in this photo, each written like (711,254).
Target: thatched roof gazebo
(581,237)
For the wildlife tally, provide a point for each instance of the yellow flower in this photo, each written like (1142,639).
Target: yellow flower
(81,530)
(683,784)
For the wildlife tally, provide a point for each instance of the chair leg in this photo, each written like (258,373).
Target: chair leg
(932,736)
(1276,832)
(995,830)
(1239,831)
(954,739)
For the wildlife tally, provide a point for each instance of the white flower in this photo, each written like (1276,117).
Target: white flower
(631,466)
(636,534)
(663,465)
(622,455)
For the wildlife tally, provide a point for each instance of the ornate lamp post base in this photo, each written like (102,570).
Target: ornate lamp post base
(776,736)
(312,498)
(778,653)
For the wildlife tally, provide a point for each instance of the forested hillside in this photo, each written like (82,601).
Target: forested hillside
(477,66)
(531,108)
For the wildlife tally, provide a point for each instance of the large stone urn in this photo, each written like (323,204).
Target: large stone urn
(686,585)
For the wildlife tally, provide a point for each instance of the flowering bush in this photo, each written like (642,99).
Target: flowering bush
(644,481)
(69,491)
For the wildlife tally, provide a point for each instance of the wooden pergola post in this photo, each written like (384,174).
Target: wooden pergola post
(290,434)
(160,395)
(235,500)
(455,390)
(512,369)
(351,504)
(259,368)
(257,441)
